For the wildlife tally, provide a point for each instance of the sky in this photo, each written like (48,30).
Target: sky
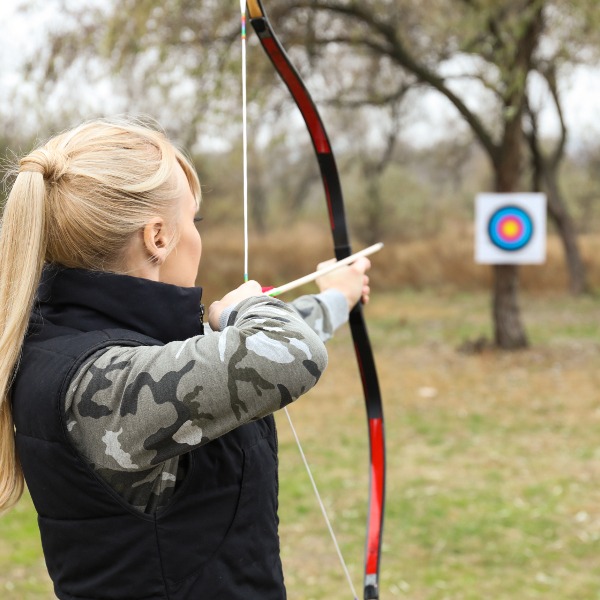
(428,121)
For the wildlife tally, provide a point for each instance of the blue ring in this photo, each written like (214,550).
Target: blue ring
(522,216)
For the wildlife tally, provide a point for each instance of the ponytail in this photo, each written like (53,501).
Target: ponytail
(77,201)
(22,250)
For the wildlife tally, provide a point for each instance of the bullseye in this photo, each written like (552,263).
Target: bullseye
(510,228)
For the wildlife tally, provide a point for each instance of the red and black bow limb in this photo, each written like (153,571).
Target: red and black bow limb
(362,345)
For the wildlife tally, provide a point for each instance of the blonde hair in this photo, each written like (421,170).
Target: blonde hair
(76,201)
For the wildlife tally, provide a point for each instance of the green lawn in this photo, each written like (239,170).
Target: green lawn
(493,487)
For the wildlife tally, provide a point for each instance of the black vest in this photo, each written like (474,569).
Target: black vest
(217,537)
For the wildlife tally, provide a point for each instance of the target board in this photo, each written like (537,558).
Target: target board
(510,228)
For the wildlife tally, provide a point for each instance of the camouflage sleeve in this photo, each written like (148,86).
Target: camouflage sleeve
(132,408)
(324,312)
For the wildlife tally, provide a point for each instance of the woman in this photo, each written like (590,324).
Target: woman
(147,443)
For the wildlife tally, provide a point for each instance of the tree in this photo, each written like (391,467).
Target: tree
(445,43)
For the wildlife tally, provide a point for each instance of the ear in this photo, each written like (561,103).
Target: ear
(156,240)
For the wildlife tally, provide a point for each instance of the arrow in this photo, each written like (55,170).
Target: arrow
(312,276)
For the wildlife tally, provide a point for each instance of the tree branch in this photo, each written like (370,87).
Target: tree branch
(395,49)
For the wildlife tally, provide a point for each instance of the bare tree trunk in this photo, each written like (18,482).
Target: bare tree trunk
(509,333)
(566,230)
(545,176)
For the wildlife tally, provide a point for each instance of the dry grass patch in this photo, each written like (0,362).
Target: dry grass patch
(444,261)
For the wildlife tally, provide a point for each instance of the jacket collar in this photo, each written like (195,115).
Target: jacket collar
(92,300)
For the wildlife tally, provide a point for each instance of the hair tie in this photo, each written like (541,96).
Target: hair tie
(52,164)
(31,164)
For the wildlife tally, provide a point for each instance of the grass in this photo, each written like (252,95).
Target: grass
(493,484)
(493,465)
(22,568)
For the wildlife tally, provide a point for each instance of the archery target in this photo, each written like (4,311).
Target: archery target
(510,228)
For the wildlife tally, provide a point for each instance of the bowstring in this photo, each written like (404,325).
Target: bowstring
(285,409)
(322,505)
(244,135)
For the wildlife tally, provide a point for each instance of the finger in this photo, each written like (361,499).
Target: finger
(326,263)
(361,265)
(252,286)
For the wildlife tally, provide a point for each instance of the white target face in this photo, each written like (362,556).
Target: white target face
(510,228)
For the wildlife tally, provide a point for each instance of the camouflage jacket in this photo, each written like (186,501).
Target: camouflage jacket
(115,410)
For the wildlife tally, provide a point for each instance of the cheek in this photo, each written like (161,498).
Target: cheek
(196,247)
